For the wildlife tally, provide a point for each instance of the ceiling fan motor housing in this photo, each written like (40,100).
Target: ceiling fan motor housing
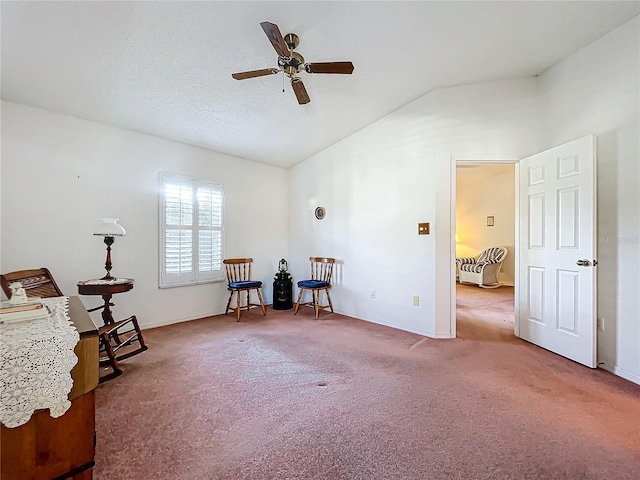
(292,65)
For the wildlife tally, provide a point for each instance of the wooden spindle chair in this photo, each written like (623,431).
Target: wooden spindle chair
(239,280)
(320,281)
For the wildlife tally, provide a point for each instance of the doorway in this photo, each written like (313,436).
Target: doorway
(485,217)
(555,281)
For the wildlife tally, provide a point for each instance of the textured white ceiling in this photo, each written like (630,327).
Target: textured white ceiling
(164,68)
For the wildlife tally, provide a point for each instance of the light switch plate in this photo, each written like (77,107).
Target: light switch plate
(423,229)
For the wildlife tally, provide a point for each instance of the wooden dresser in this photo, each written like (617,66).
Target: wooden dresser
(47,448)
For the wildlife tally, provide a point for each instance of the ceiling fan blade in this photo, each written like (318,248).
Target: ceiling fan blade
(329,67)
(275,37)
(300,91)
(255,73)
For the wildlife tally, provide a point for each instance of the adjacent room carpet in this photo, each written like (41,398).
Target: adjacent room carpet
(291,397)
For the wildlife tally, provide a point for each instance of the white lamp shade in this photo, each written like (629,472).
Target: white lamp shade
(110,228)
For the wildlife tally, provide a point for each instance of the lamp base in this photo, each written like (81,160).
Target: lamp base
(107,266)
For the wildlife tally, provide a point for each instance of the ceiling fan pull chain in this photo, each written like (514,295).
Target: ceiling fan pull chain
(282,82)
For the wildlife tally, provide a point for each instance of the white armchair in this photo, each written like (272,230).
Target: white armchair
(482,270)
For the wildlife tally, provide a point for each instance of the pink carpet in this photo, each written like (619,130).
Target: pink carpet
(289,397)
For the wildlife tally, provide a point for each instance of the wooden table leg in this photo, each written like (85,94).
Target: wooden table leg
(107,315)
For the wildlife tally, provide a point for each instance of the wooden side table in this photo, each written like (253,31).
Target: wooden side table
(114,335)
(106,290)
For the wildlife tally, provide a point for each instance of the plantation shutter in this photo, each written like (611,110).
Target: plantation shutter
(191,214)
(209,229)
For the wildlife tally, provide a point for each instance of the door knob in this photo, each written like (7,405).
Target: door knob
(583,263)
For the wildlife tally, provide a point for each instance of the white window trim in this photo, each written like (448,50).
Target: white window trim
(194,277)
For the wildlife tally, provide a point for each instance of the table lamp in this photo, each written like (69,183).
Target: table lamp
(109,229)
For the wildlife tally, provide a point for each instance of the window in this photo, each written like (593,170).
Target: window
(191,231)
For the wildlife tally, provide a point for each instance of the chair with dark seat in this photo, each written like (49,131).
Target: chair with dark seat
(321,272)
(239,280)
(40,283)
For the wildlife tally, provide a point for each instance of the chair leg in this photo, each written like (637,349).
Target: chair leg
(316,302)
(248,300)
(297,305)
(228,302)
(329,300)
(238,305)
(264,309)
(110,360)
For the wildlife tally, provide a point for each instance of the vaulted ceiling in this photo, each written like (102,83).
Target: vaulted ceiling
(164,68)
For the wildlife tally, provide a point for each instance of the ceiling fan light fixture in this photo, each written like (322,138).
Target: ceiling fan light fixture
(293,65)
(291,70)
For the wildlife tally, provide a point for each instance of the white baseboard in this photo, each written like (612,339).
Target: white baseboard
(621,372)
(419,331)
(163,323)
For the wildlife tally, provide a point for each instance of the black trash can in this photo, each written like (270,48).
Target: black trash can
(282,288)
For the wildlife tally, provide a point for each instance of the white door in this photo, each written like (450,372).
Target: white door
(556,281)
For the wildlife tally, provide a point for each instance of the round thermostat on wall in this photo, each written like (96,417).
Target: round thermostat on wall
(320,213)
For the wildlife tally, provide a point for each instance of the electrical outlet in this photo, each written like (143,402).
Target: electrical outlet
(416,301)
(600,324)
(373,294)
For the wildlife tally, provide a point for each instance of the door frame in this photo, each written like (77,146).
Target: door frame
(453,187)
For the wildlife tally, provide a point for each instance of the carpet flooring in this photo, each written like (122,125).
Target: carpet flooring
(291,397)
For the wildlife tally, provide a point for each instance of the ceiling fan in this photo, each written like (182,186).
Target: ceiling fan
(292,63)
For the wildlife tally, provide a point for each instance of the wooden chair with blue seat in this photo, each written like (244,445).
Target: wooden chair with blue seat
(239,280)
(321,272)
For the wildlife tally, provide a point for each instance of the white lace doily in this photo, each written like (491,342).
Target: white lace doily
(36,358)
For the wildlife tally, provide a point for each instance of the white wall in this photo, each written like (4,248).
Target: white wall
(483,190)
(60,175)
(378,184)
(597,90)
